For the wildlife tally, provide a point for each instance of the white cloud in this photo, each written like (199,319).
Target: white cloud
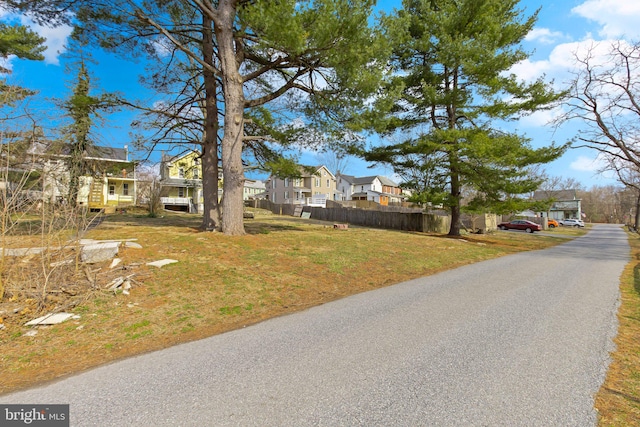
(544,35)
(587,164)
(617,18)
(540,118)
(528,70)
(56,39)
(561,63)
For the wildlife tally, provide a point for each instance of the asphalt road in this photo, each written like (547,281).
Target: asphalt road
(518,341)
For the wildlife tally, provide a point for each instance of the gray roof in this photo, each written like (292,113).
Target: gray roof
(108,153)
(96,152)
(559,195)
(348,178)
(370,179)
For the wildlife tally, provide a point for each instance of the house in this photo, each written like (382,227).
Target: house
(181,183)
(312,189)
(376,188)
(253,189)
(109,179)
(114,179)
(566,204)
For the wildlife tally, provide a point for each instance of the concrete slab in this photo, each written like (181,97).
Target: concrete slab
(162,262)
(133,245)
(99,252)
(50,319)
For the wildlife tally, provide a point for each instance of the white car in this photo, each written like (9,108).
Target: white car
(572,222)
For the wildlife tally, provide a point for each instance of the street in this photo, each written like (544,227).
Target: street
(521,340)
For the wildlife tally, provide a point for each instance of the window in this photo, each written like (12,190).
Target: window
(286,183)
(112,190)
(328,184)
(125,189)
(318,182)
(196,173)
(180,172)
(286,195)
(180,191)
(362,188)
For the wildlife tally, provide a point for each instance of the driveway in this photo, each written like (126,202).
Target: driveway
(522,340)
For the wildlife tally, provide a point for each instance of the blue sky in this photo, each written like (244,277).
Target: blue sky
(563,27)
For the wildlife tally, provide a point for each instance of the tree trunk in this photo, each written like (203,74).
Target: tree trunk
(454,230)
(637,213)
(211,215)
(232,168)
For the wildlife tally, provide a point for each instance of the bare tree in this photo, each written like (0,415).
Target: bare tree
(605,96)
(335,161)
(149,189)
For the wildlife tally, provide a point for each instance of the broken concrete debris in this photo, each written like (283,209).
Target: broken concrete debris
(162,262)
(51,319)
(123,283)
(91,251)
(115,262)
(99,252)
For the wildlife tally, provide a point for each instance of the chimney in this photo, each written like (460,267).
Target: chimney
(126,153)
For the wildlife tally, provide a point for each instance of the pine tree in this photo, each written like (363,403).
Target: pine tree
(448,89)
(82,108)
(311,57)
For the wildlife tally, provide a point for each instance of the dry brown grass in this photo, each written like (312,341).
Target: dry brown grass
(618,401)
(220,283)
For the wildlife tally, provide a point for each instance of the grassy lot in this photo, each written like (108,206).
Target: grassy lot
(618,401)
(220,283)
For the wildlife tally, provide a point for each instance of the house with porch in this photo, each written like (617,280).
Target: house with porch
(108,182)
(565,204)
(181,182)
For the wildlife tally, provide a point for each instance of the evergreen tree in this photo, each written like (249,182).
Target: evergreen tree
(82,107)
(18,40)
(447,89)
(311,57)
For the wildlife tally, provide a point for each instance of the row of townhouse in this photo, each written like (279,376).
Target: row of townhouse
(113,182)
(315,188)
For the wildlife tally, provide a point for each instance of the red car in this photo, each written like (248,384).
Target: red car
(520,224)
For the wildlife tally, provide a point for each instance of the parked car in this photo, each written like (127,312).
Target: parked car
(520,224)
(552,223)
(572,222)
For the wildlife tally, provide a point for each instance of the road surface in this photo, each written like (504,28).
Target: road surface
(522,340)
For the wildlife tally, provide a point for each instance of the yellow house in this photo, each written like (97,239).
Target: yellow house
(181,181)
(110,183)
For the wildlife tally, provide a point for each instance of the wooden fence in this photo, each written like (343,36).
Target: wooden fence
(387,219)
